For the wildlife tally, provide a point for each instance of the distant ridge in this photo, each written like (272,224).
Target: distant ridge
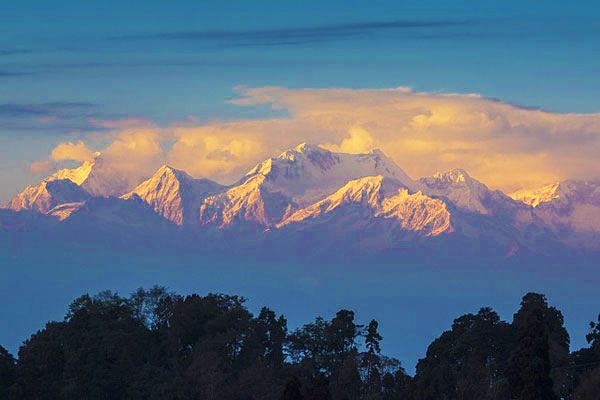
(360,201)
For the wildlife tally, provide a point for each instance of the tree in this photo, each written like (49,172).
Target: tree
(7,372)
(347,382)
(467,361)
(370,360)
(593,338)
(41,363)
(309,345)
(529,371)
(218,321)
(154,307)
(558,337)
(396,386)
(272,333)
(325,345)
(373,338)
(341,335)
(105,347)
(585,368)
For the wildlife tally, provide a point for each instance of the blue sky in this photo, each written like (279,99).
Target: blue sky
(167,61)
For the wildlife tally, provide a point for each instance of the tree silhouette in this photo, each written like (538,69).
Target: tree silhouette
(593,338)
(158,345)
(558,337)
(373,338)
(7,372)
(529,370)
(467,361)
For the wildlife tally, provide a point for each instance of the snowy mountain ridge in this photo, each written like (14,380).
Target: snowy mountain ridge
(325,194)
(308,172)
(380,198)
(174,194)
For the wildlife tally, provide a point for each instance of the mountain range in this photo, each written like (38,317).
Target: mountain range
(311,200)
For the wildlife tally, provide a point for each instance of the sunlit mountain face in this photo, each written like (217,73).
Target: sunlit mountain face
(312,201)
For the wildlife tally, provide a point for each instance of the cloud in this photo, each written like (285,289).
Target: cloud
(51,108)
(135,146)
(47,119)
(135,153)
(7,74)
(124,123)
(11,52)
(41,167)
(55,118)
(503,145)
(72,151)
(215,151)
(314,34)
(359,141)
(129,153)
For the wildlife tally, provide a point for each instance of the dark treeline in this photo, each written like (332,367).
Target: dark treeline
(159,345)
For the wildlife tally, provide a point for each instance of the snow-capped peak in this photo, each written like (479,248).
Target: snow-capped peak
(173,193)
(566,206)
(457,175)
(534,197)
(560,193)
(309,172)
(171,172)
(368,191)
(383,200)
(76,175)
(98,178)
(306,147)
(65,185)
(464,191)
(47,194)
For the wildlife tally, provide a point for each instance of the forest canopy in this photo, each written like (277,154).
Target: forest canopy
(155,344)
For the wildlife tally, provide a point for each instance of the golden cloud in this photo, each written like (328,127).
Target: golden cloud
(41,167)
(504,146)
(71,151)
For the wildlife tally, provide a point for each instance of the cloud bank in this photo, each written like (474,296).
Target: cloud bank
(505,146)
(314,34)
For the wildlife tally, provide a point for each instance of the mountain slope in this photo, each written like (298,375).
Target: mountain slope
(97,177)
(570,208)
(312,200)
(174,194)
(372,212)
(534,197)
(249,205)
(560,194)
(276,187)
(466,192)
(93,177)
(307,173)
(48,194)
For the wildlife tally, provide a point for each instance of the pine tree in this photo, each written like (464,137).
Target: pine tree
(373,337)
(371,360)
